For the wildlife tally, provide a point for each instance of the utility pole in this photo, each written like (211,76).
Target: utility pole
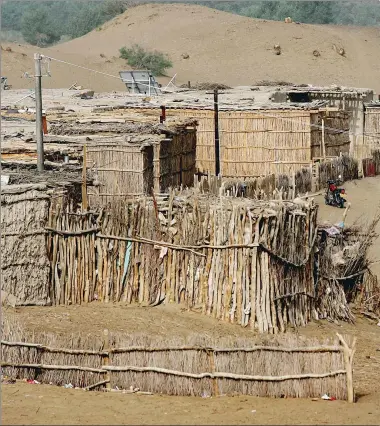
(216,123)
(39,129)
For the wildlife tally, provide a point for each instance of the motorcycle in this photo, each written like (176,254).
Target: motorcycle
(335,196)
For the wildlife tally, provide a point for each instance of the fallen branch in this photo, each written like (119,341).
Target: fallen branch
(53,367)
(72,233)
(103,382)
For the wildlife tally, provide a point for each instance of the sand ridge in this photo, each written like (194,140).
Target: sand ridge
(222,47)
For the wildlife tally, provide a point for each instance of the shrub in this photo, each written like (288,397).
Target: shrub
(138,57)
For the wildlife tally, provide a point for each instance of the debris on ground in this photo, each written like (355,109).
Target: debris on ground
(33,382)
(87,94)
(328,398)
(206,86)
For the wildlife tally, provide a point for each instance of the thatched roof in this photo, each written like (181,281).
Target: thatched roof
(132,126)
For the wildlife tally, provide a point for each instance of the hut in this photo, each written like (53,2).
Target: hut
(351,100)
(131,155)
(263,139)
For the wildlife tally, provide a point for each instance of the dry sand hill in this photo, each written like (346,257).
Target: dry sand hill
(222,47)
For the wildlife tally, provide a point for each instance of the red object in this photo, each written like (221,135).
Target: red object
(369,168)
(44,125)
(332,187)
(343,191)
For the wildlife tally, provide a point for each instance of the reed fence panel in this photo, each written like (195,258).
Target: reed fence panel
(371,140)
(25,266)
(252,143)
(200,366)
(122,170)
(263,142)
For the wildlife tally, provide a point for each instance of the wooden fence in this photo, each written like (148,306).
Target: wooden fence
(243,261)
(294,368)
(284,187)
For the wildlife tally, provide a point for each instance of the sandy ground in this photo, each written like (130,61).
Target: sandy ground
(222,47)
(364,196)
(41,404)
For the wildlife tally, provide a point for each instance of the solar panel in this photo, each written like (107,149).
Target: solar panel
(140,81)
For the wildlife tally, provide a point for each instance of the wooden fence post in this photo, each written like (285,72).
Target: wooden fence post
(348,354)
(84,179)
(106,359)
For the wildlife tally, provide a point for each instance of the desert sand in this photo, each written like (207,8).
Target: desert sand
(222,47)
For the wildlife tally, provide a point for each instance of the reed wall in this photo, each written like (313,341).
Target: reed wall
(252,143)
(175,161)
(198,366)
(371,139)
(264,142)
(120,171)
(25,267)
(136,169)
(336,134)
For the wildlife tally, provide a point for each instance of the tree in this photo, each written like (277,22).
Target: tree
(36,28)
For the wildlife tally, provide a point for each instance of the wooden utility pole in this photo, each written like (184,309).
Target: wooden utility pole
(163,114)
(323,139)
(39,127)
(216,122)
(84,179)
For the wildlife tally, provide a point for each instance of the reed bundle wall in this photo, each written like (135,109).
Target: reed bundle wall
(175,161)
(25,267)
(198,366)
(245,262)
(132,170)
(252,143)
(264,142)
(352,102)
(371,140)
(336,134)
(120,170)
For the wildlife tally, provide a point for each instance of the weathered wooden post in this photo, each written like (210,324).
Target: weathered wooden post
(216,123)
(39,126)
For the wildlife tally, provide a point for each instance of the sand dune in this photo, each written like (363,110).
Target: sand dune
(222,47)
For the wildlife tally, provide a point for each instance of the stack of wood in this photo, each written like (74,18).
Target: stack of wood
(342,270)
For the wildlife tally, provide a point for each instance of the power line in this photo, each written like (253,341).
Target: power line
(257,112)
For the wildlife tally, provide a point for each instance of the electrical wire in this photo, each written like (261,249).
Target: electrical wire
(257,112)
